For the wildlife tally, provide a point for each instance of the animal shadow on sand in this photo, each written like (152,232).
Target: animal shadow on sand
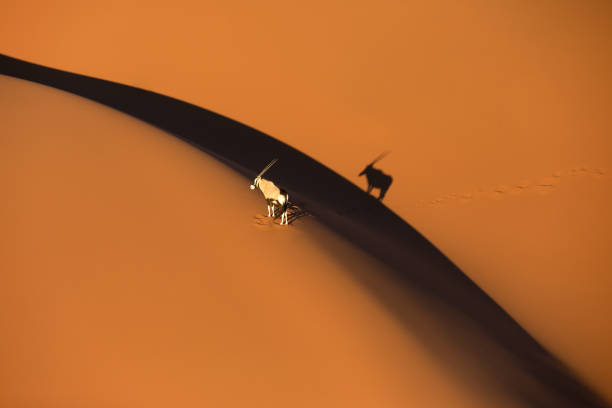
(294,213)
(376,178)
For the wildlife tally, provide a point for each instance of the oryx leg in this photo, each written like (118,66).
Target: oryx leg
(284,205)
(383,191)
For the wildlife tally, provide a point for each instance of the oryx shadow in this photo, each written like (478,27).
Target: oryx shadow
(376,178)
(415,264)
(295,212)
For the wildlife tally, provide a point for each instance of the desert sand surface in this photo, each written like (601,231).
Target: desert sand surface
(137,271)
(496,115)
(432,301)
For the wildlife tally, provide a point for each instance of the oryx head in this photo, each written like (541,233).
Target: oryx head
(369,166)
(258,178)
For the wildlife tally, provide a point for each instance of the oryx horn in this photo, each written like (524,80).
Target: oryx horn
(380,157)
(267,167)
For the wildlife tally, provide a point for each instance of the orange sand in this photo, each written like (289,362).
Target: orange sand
(137,271)
(497,116)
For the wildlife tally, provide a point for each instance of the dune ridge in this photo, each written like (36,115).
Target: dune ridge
(338,203)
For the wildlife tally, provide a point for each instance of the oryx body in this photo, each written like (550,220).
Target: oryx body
(376,178)
(273,195)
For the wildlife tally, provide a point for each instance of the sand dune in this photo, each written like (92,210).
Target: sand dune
(496,115)
(513,380)
(135,274)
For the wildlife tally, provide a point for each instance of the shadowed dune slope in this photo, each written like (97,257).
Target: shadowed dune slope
(413,261)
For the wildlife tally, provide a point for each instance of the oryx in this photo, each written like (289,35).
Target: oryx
(273,195)
(376,178)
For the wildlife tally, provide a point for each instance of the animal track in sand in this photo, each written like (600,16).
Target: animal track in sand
(264,223)
(295,214)
(542,186)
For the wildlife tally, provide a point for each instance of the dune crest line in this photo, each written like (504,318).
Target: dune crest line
(336,202)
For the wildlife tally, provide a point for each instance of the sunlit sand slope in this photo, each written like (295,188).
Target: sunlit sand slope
(135,258)
(136,272)
(483,104)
